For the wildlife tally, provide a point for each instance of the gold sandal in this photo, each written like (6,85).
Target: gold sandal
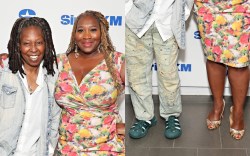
(236,134)
(215,124)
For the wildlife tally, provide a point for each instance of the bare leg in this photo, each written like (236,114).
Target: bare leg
(239,82)
(216,76)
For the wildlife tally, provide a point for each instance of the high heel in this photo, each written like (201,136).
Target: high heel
(236,134)
(215,124)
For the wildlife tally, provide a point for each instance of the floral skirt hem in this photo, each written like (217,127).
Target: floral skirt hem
(225,32)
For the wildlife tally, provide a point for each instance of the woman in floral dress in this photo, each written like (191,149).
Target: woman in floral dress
(87,88)
(224,27)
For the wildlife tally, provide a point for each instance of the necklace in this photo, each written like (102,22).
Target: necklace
(30,89)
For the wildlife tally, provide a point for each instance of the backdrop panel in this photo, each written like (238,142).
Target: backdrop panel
(61,14)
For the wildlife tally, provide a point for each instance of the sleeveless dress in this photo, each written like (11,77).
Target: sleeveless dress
(224,26)
(89,111)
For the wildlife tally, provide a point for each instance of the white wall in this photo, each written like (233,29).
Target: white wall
(54,10)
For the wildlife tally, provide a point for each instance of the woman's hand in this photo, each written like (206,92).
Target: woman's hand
(120,127)
(3,56)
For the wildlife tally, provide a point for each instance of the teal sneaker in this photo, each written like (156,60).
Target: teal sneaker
(173,128)
(141,127)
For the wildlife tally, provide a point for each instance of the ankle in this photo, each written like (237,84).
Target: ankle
(238,124)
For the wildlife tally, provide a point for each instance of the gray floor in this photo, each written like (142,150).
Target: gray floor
(196,139)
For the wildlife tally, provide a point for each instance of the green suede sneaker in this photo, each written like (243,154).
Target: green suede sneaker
(173,128)
(140,128)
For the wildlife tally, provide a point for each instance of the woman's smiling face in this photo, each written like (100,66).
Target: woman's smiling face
(88,34)
(32,46)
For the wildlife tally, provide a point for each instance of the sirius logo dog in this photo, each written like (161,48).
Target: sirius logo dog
(27,13)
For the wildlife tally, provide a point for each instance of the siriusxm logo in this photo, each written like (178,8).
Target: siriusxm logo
(70,19)
(114,20)
(184,67)
(181,67)
(67,19)
(27,13)
(197,35)
(154,67)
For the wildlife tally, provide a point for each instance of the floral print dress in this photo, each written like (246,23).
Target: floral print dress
(89,111)
(224,27)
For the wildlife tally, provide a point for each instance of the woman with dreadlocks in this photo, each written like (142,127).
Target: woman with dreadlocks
(29,117)
(91,78)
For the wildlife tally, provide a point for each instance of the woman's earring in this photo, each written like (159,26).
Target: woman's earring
(98,49)
(76,52)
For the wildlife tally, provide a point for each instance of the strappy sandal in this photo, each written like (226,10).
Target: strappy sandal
(236,134)
(173,128)
(215,124)
(141,127)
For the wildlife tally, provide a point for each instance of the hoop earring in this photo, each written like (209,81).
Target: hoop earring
(76,52)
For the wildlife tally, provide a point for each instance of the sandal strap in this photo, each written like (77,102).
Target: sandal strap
(141,125)
(173,123)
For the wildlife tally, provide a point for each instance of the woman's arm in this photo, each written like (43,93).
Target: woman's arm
(122,72)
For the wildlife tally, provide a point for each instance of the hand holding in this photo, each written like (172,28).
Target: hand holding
(3,56)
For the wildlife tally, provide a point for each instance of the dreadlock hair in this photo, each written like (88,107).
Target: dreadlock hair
(106,46)
(15,58)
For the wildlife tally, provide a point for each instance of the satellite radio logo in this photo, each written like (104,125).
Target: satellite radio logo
(197,35)
(27,13)
(70,19)
(181,67)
